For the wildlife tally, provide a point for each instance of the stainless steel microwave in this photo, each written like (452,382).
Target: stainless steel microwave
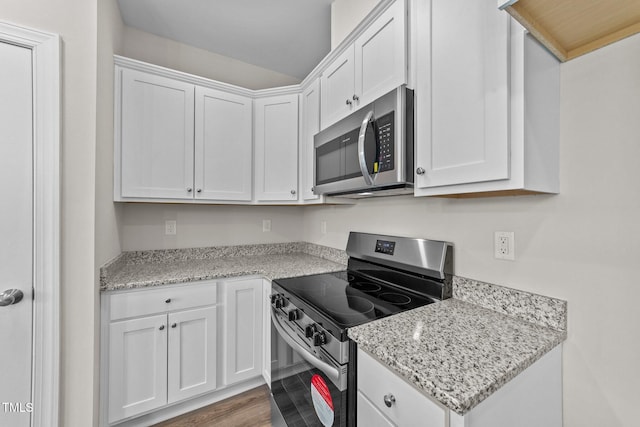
(370,152)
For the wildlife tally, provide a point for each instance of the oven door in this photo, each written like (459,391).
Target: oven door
(310,389)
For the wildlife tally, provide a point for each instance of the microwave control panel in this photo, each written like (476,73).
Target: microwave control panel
(386,146)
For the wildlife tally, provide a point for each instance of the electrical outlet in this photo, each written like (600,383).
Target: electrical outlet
(323,227)
(170,227)
(505,245)
(266,225)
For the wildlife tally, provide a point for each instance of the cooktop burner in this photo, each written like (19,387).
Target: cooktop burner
(394,298)
(367,287)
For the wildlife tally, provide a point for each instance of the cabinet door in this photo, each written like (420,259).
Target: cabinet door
(243,333)
(462,93)
(337,87)
(381,55)
(156,137)
(137,366)
(222,145)
(310,125)
(276,148)
(191,353)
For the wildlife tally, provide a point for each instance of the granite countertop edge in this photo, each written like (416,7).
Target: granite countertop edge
(392,355)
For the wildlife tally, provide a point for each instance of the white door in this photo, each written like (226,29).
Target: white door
(191,364)
(156,136)
(223,145)
(381,55)
(276,145)
(16,224)
(337,87)
(137,366)
(462,111)
(309,126)
(243,331)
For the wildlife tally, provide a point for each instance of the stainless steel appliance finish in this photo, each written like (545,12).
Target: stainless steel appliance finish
(429,257)
(311,315)
(370,152)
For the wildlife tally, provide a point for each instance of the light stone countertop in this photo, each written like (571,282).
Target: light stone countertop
(133,270)
(454,351)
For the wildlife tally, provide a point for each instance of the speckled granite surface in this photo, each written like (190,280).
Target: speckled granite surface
(538,309)
(454,351)
(162,267)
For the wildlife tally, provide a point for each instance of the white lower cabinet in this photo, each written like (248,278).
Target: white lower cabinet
(531,399)
(171,349)
(384,399)
(242,341)
(192,357)
(137,366)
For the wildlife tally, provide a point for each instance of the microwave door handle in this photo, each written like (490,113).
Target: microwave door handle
(329,370)
(363,133)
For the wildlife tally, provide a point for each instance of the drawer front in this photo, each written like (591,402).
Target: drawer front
(162,299)
(368,414)
(410,407)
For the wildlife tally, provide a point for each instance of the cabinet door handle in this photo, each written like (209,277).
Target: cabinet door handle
(420,171)
(162,328)
(189,190)
(293,192)
(168,300)
(389,400)
(174,325)
(349,102)
(356,97)
(199,190)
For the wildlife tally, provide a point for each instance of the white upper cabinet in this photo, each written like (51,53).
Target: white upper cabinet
(276,148)
(156,136)
(476,71)
(462,93)
(309,126)
(374,64)
(338,82)
(381,55)
(223,139)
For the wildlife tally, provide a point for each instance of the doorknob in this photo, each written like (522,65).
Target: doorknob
(11,296)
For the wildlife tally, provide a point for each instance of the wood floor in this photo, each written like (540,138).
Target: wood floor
(249,409)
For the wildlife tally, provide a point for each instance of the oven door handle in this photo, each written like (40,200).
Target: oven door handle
(368,179)
(330,371)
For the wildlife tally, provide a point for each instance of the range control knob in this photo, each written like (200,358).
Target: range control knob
(294,315)
(278,301)
(319,338)
(310,330)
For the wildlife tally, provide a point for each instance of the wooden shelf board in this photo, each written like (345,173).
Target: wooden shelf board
(570,28)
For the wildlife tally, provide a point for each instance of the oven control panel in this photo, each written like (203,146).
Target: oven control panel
(298,324)
(385,247)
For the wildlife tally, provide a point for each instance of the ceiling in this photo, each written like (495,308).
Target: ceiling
(287,36)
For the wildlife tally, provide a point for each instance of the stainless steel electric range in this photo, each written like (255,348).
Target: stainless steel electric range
(313,373)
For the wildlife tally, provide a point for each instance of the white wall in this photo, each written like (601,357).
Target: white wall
(582,245)
(75,22)
(171,54)
(346,15)
(200,226)
(107,235)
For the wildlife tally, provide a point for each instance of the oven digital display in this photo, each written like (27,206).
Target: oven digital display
(385,247)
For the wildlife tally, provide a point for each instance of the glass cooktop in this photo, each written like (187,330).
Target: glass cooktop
(350,299)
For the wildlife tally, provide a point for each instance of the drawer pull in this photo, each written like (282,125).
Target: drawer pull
(162,328)
(174,325)
(168,300)
(389,400)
